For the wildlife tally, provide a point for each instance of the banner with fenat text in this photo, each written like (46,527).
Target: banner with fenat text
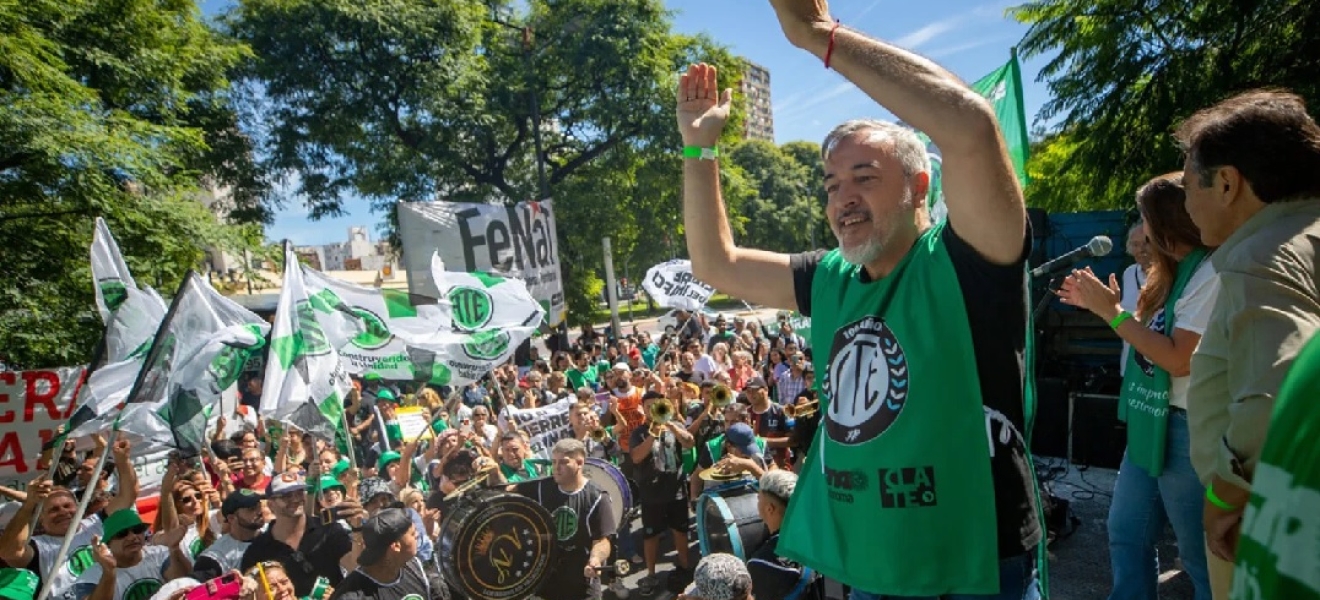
(517,241)
(672,285)
(545,424)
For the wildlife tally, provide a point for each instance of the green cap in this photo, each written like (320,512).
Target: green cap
(386,459)
(439,425)
(385,394)
(340,467)
(328,481)
(119,522)
(17,584)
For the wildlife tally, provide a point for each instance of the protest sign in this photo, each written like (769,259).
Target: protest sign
(414,422)
(546,424)
(672,285)
(515,241)
(33,404)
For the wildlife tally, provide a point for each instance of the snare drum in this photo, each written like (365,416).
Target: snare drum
(610,479)
(728,521)
(496,545)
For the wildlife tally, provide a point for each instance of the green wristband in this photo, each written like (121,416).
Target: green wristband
(1216,500)
(699,152)
(1118,320)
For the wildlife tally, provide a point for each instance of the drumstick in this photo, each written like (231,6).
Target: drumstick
(265,583)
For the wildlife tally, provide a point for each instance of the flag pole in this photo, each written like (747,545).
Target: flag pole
(348,440)
(58,441)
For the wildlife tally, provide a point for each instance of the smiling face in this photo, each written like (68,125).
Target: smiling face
(870,201)
(58,513)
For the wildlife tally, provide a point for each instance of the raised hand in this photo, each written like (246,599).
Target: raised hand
(798,17)
(170,537)
(101,554)
(702,108)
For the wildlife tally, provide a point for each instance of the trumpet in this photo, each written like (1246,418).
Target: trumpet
(662,412)
(599,434)
(721,396)
(801,411)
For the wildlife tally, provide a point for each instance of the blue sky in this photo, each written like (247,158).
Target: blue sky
(969,37)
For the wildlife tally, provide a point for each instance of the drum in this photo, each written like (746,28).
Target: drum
(609,478)
(496,545)
(727,520)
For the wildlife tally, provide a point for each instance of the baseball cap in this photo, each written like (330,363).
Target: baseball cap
(386,458)
(386,394)
(329,481)
(285,483)
(741,437)
(720,577)
(17,584)
(121,521)
(371,487)
(381,530)
(340,467)
(756,382)
(239,500)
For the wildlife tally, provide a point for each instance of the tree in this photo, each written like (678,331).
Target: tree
(1128,71)
(783,215)
(808,155)
(117,109)
(434,99)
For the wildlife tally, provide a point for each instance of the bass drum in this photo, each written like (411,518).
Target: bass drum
(728,522)
(609,478)
(496,545)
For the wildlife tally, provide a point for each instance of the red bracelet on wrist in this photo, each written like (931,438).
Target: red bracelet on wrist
(829,50)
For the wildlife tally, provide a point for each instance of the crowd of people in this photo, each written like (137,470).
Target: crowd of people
(915,480)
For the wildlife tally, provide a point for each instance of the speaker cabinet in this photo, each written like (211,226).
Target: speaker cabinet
(1050,435)
(1098,438)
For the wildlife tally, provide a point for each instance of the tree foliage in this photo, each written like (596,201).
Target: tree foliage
(1127,71)
(787,212)
(116,109)
(434,99)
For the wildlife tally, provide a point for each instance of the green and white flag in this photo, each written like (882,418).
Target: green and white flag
(490,317)
(305,383)
(197,354)
(1003,88)
(393,335)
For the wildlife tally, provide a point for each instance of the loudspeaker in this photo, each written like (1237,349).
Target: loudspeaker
(1098,437)
(1049,437)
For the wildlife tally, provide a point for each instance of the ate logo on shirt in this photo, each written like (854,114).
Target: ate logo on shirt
(1143,363)
(142,589)
(867,381)
(566,523)
(80,560)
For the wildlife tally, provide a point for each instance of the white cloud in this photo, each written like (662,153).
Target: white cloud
(786,109)
(929,32)
(948,51)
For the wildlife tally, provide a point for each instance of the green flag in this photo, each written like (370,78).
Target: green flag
(1003,88)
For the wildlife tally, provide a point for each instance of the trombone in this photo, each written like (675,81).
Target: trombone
(802,411)
(662,412)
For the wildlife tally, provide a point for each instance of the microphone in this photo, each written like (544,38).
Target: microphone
(1099,245)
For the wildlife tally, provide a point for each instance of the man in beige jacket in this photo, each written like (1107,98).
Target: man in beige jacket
(1252,175)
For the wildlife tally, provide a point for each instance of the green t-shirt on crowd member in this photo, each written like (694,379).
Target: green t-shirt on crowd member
(1278,557)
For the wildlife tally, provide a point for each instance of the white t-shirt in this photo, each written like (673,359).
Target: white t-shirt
(138,582)
(1130,289)
(704,369)
(226,552)
(1192,313)
(78,559)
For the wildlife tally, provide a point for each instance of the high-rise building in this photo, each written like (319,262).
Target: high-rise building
(755,85)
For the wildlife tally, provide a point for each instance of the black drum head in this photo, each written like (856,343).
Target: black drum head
(497,546)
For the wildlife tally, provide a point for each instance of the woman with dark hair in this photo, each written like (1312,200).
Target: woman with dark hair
(1156,483)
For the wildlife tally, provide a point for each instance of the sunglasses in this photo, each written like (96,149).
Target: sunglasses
(189,499)
(135,530)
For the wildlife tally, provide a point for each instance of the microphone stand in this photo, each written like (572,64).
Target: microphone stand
(1050,288)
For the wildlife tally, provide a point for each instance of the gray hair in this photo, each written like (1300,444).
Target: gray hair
(908,148)
(570,447)
(779,484)
(720,577)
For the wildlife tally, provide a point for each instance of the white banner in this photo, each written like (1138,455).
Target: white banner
(546,424)
(672,285)
(515,241)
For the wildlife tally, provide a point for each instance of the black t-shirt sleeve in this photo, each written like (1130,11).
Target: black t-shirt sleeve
(601,520)
(772,580)
(804,270)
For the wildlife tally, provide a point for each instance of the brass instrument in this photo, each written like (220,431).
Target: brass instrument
(599,435)
(662,412)
(721,396)
(801,411)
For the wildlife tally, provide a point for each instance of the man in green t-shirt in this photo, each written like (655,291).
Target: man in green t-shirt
(583,372)
(918,483)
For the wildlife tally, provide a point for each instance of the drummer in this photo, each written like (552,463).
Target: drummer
(584,519)
(775,577)
(742,456)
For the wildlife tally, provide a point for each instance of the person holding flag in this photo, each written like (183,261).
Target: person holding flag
(919,483)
